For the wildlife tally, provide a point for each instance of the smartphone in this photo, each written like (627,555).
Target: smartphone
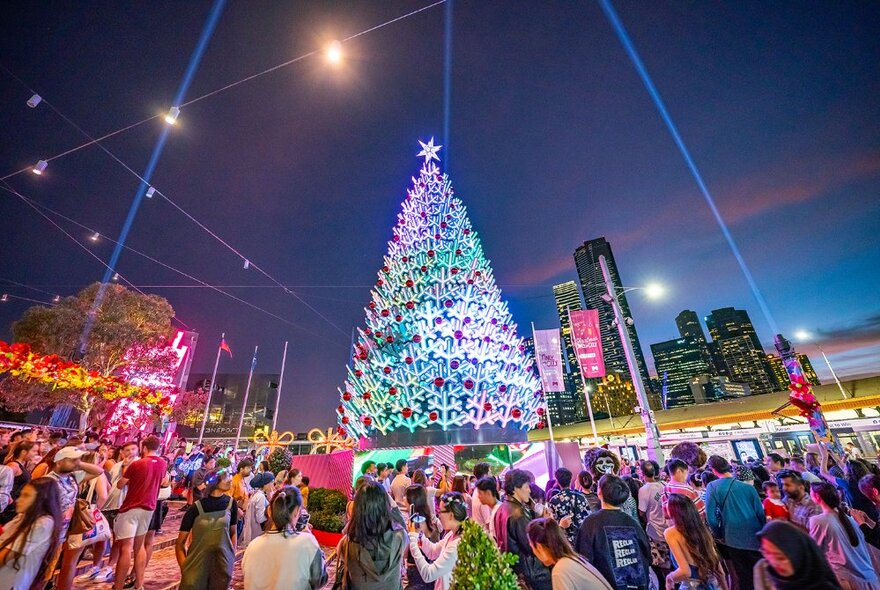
(302,521)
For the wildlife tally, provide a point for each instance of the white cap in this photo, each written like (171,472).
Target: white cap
(68,453)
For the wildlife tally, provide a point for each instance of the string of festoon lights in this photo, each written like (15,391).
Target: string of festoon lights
(117,277)
(334,55)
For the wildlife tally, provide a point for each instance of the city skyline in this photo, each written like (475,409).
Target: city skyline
(552,140)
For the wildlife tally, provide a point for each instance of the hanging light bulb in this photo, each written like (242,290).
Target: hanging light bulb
(94,237)
(56,299)
(34,101)
(150,192)
(247,264)
(115,276)
(171,117)
(39,167)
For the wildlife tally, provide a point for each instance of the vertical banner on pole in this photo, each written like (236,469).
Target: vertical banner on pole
(587,342)
(549,359)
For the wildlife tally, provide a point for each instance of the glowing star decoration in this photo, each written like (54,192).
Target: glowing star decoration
(453,363)
(273,440)
(332,441)
(429,150)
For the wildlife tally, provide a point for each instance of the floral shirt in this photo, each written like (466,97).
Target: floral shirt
(800,511)
(570,502)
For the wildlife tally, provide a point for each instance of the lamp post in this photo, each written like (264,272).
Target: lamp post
(652,434)
(805,336)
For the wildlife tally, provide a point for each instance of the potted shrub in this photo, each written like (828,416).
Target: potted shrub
(480,565)
(327,515)
(280,459)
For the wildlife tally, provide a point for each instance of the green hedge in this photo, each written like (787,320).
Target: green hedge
(327,509)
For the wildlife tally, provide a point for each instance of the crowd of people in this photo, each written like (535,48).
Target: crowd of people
(694,523)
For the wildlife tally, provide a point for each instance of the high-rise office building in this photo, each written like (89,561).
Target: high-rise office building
(746,364)
(561,405)
(689,326)
(568,298)
(227,400)
(586,260)
(614,396)
(678,362)
(728,322)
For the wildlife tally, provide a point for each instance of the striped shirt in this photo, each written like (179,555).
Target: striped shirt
(674,487)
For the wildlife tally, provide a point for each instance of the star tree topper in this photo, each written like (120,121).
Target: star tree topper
(429,150)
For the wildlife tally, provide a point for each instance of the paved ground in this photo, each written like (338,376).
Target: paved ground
(163,573)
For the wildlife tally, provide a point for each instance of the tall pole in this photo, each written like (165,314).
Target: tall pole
(244,401)
(278,393)
(211,391)
(652,434)
(583,379)
(833,374)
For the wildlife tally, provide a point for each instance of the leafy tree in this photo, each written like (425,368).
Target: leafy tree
(126,326)
(480,565)
(280,459)
(189,407)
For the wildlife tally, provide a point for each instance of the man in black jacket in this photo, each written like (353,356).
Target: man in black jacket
(613,541)
(511,521)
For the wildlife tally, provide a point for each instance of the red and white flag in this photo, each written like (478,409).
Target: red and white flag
(587,342)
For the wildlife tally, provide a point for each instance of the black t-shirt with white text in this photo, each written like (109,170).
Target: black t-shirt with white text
(618,547)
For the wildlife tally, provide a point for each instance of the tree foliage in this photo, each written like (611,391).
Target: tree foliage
(189,407)
(280,459)
(126,326)
(480,566)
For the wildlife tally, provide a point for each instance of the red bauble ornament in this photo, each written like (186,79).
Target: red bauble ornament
(358,373)
(424,214)
(430,254)
(436,236)
(502,388)
(438,321)
(368,331)
(468,384)
(504,327)
(458,252)
(378,334)
(540,411)
(424,269)
(408,360)
(389,339)
(367,395)
(454,270)
(363,356)
(387,370)
(385,269)
(467,232)
(432,416)
(454,364)
(540,425)
(407,412)
(385,313)
(478,274)
(398,318)
(392,391)
(487,407)
(396,238)
(449,303)
(344,420)
(443,225)
(459,335)
(438,382)
(516,413)
(409,283)
(380,282)
(372,305)
(470,281)
(367,420)
(493,321)
(340,431)
(346,397)
(410,305)
(417,338)
(405,259)
(341,409)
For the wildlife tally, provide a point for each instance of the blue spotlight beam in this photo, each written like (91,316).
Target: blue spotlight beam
(710,201)
(194,61)
(447,79)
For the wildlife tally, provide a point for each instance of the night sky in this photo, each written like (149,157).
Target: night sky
(553,141)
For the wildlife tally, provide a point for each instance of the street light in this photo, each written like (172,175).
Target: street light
(613,292)
(334,52)
(805,336)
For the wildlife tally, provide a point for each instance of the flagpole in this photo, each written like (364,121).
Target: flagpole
(549,420)
(280,384)
(583,379)
(211,391)
(244,401)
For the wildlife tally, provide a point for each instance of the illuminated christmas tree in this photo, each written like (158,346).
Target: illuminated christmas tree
(439,360)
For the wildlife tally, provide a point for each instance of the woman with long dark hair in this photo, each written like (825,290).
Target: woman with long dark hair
(843,543)
(691,547)
(20,455)
(570,571)
(418,511)
(369,555)
(284,558)
(791,560)
(29,542)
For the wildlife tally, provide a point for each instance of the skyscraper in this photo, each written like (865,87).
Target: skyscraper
(782,375)
(689,326)
(586,259)
(745,364)
(568,298)
(728,322)
(678,362)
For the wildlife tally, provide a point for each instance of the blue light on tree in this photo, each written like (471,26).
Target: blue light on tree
(439,358)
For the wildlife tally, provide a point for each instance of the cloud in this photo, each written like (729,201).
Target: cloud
(865,332)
